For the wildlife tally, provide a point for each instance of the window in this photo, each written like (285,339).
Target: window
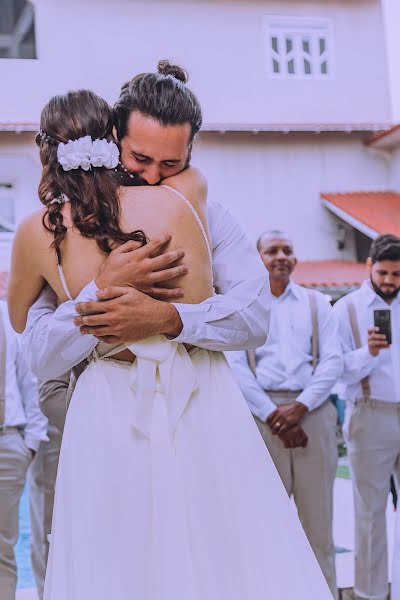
(299,47)
(17,29)
(7,208)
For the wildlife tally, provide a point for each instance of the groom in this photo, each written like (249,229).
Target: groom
(156,119)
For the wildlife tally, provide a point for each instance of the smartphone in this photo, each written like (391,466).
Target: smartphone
(382,320)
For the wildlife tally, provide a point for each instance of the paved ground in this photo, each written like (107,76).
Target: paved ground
(343,531)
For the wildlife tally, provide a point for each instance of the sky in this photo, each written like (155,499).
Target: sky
(392,25)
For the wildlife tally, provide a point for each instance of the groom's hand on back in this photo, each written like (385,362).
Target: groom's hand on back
(127,315)
(145,268)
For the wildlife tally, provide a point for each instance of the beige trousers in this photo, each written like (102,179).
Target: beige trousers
(372,431)
(308,475)
(43,473)
(15,458)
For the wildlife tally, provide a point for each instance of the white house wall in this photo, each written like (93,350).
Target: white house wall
(100,44)
(274,182)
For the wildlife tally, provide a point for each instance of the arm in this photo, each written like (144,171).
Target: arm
(358,362)
(25,281)
(237,318)
(36,423)
(330,364)
(258,400)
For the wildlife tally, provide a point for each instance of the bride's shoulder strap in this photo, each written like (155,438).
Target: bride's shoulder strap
(195,214)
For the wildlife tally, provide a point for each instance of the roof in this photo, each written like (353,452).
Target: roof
(330,273)
(386,139)
(3,284)
(372,213)
(253,127)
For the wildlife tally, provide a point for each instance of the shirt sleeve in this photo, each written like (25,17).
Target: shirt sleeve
(257,399)
(330,363)
(358,362)
(35,430)
(238,316)
(51,341)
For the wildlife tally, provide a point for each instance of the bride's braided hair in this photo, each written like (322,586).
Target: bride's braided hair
(93,194)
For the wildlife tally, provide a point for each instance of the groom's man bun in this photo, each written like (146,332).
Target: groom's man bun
(164,67)
(162,95)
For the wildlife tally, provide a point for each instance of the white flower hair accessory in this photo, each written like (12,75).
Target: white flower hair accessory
(84,153)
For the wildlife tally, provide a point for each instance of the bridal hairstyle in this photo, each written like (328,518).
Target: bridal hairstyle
(93,194)
(162,96)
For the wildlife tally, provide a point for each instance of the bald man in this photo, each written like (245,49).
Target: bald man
(286,384)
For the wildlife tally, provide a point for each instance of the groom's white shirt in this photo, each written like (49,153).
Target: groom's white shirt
(237,318)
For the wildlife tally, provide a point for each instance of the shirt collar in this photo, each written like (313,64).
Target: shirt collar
(371,296)
(291,288)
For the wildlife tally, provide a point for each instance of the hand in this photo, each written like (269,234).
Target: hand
(376,341)
(127,315)
(286,416)
(143,267)
(295,437)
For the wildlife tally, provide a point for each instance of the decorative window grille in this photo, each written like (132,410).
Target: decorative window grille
(299,48)
(17,29)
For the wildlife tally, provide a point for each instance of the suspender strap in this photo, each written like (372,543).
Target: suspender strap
(3,340)
(312,297)
(366,388)
(251,359)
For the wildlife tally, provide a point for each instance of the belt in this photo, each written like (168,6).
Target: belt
(381,404)
(284,392)
(5,428)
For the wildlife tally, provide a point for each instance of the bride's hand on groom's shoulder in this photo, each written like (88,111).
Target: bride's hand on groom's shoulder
(143,267)
(125,314)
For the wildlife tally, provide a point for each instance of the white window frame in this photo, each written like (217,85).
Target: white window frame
(4,222)
(296,29)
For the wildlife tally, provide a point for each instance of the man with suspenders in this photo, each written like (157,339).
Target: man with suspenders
(372,421)
(286,383)
(22,428)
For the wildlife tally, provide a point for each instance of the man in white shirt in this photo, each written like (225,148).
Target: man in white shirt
(22,428)
(286,384)
(155,144)
(43,472)
(372,422)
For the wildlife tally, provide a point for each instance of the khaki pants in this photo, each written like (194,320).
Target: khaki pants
(372,430)
(15,458)
(43,473)
(308,474)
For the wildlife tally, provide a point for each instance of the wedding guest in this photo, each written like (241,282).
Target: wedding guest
(43,472)
(22,428)
(372,423)
(286,384)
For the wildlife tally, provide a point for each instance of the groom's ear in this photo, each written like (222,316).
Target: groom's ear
(115,135)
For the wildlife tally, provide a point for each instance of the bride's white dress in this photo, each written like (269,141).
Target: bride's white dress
(165,490)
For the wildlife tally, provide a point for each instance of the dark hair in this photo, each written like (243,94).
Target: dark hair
(162,96)
(93,194)
(385,247)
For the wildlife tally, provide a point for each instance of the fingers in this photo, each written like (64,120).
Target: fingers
(167,274)
(130,246)
(154,246)
(99,331)
(111,292)
(92,320)
(90,308)
(165,293)
(161,262)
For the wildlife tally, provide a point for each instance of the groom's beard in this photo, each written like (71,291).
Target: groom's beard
(127,181)
(385,295)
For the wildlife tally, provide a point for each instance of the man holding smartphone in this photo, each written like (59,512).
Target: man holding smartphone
(369,325)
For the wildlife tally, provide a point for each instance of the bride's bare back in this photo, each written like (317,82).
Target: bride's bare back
(155,210)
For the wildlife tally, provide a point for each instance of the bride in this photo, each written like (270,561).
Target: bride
(165,490)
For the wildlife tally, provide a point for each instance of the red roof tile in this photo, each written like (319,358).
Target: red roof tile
(330,273)
(385,133)
(376,211)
